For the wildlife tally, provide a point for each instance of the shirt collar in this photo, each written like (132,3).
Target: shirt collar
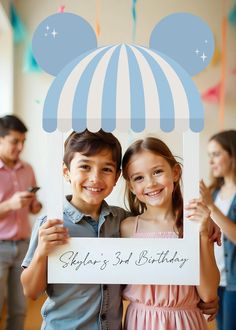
(76,216)
(18,165)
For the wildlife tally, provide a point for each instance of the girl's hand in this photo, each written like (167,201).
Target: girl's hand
(51,234)
(198,211)
(205,193)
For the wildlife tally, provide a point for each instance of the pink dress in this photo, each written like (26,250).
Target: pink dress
(162,307)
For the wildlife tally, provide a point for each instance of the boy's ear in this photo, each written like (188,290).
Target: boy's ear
(66,172)
(118,173)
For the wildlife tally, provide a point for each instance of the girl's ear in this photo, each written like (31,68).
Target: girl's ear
(131,187)
(176,172)
(66,172)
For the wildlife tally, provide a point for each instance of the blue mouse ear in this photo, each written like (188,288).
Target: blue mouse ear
(59,39)
(186,38)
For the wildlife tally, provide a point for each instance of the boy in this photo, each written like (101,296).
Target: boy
(92,166)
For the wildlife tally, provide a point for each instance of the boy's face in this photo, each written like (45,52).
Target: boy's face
(92,179)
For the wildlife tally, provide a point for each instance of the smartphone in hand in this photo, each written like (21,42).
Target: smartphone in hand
(33,189)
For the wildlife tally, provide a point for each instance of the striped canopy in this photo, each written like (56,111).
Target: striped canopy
(123,87)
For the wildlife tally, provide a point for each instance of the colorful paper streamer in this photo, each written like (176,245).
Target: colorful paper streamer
(212,94)
(19,31)
(134,18)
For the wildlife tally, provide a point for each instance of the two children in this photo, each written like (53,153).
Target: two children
(92,165)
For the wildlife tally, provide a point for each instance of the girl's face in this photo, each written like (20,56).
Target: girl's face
(152,179)
(220,160)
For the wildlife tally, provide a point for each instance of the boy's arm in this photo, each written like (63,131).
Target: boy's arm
(209,273)
(34,278)
(210,308)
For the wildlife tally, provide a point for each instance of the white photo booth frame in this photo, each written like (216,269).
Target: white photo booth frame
(122,87)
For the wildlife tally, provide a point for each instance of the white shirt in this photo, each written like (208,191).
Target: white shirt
(223,206)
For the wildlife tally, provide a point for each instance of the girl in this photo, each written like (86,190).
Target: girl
(221,200)
(153,188)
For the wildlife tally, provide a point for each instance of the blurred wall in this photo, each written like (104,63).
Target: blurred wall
(30,88)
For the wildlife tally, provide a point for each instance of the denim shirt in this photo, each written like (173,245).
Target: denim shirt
(230,249)
(82,306)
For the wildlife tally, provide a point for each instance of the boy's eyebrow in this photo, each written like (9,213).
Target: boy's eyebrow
(85,160)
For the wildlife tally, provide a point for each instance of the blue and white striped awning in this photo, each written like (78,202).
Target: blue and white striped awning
(123,87)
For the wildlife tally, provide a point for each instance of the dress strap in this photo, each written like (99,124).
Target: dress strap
(136,225)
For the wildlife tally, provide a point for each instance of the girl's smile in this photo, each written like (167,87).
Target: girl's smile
(152,178)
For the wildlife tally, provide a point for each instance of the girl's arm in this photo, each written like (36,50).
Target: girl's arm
(227,226)
(34,277)
(127,227)
(209,273)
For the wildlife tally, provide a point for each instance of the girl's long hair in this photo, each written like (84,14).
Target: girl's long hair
(227,140)
(159,148)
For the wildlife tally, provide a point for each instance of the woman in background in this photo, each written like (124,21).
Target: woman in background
(220,198)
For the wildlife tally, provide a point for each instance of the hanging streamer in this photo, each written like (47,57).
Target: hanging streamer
(17,25)
(212,94)
(30,64)
(232,16)
(61,9)
(134,17)
(216,56)
(97,23)
(223,66)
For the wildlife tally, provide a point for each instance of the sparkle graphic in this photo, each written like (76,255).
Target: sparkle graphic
(206,41)
(54,33)
(47,27)
(203,57)
(197,51)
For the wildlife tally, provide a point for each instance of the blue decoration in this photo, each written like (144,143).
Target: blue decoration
(142,95)
(60,38)
(232,16)
(19,32)
(30,64)
(134,17)
(186,38)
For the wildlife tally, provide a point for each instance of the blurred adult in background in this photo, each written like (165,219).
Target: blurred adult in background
(16,202)
(220,197)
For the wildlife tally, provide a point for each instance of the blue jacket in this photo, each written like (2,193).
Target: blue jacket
(230,249)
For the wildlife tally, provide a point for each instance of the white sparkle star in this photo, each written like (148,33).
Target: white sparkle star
(47,27)
(203,57)
(54,33)
(197,51)
(206,41)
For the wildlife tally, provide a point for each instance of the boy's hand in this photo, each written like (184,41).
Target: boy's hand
(210,308)
(197,210)
(51,234)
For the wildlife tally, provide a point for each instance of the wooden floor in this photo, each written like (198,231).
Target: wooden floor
(33,319)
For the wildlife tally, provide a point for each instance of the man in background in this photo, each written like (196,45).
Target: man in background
(16,202)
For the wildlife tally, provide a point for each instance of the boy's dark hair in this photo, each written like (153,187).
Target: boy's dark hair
(88,144)
(11,123)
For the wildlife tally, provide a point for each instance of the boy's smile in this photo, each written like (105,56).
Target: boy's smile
(92,179)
